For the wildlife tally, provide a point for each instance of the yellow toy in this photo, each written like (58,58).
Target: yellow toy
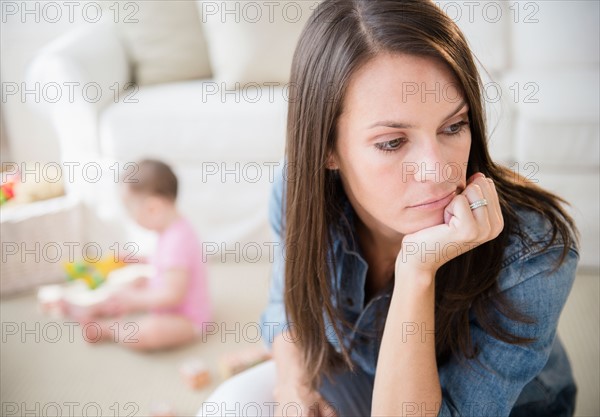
(93,274)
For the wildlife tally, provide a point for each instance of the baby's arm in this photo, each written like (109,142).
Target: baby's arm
(171,294)
(136,259)
(139,282)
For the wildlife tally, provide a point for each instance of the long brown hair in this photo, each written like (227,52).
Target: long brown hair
(339,37)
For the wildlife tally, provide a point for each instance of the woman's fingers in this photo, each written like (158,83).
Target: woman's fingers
(496,218)
(492,210)
(463,228)
(461,218)
(477,191)
(488,217)
(480,224)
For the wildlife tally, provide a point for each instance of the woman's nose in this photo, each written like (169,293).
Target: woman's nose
(431,165)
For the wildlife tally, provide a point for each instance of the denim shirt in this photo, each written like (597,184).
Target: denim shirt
(473,390)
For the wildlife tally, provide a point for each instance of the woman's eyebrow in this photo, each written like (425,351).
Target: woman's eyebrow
(459,108)
(399,125)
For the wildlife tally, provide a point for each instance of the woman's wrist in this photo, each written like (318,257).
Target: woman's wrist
(413,279)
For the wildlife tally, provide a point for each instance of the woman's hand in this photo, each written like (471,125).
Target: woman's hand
(291,396)
(463,229)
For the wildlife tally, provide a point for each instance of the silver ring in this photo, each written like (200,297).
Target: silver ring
(478,203)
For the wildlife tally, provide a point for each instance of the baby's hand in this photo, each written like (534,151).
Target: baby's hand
(117,304)
(139,282)
(108,308)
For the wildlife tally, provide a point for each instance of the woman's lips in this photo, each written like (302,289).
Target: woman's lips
(443,202)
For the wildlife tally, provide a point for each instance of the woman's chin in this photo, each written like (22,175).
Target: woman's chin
(424,221)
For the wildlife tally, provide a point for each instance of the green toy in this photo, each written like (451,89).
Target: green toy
(6,192)
(94,274)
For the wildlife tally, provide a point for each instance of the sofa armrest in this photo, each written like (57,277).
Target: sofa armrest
(80,74)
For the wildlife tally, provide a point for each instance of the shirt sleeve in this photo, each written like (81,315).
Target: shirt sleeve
(273,319)
(492,389)
(174,250)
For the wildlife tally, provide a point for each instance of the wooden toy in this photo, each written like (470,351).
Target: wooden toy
(195,374)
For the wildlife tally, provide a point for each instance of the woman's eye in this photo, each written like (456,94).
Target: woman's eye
(390,146)
(456,128)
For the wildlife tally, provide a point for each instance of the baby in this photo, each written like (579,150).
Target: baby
(175,300)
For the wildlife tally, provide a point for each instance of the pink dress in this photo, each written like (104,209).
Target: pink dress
(179,247)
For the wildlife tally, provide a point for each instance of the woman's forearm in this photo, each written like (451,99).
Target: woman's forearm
(287,358)
(292,386)
(406,379)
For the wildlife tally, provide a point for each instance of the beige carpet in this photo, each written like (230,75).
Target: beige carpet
(57,372)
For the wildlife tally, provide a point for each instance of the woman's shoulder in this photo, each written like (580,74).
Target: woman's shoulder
(532,248)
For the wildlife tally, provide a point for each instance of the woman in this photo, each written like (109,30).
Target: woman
(418,277)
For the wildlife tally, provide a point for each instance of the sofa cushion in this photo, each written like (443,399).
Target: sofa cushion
(550,34)
(253,41)
(557,116)
(196,121)
(231,213)
(165,41)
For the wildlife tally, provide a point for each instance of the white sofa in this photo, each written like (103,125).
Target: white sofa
(193,124)
(223,142)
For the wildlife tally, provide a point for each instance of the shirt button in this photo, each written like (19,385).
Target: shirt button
(350,301)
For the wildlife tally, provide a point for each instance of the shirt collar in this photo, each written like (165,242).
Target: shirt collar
(352,266)
(351,256)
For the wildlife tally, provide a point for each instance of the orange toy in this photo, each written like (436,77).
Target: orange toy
(195,374)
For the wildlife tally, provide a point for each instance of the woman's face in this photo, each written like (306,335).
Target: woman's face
(403,139)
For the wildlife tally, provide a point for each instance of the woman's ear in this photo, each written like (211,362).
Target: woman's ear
(331,162)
